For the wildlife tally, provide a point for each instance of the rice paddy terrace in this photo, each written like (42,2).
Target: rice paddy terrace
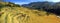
(24,15)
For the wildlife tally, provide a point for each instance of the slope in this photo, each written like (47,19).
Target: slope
(25,15)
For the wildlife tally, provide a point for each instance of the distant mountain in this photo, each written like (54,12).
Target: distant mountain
(38,5)
(47,6)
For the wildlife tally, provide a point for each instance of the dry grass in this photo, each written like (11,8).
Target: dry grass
(24,15)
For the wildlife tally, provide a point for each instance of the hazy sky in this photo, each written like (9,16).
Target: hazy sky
(28,1)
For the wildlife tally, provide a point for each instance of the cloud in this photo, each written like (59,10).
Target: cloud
(53,0)
(21,3)
(28,1)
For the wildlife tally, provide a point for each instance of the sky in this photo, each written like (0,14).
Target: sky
(28,1)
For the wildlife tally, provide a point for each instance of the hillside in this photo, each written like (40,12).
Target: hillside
(46,6)
(15,14)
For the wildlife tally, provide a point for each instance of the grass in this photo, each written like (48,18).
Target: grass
(24,15)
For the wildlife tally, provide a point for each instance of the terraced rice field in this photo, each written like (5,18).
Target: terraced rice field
(23,15)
